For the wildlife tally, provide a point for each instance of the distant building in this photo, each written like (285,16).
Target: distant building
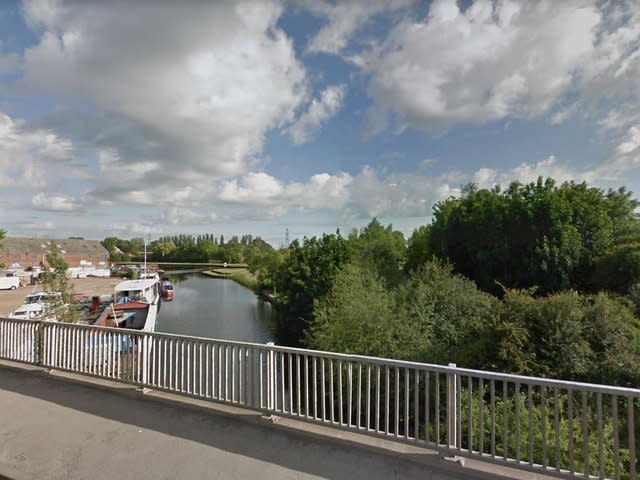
(19,252)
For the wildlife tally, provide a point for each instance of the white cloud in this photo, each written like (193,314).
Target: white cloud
(132,229)
(322,191)
(36,226)
(56,203)
(619,118)
(626,154)
(186,216)
(529,172)
(631,142)
(491,61)
(616,60)
(195,86)
(319,111)
(31,158)
(397,195)
(256,188)
(344,20)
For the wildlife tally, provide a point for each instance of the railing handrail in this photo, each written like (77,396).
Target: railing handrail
(516,419)
(446,369)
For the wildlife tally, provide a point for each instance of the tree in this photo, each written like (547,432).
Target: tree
(60,302)
(591,338)
(306,275)
(358,316)
(418,249)
(618,270)
(445,314)
(434,317)
(264,262)
(381,249)
(136,246)
(162,249)
(531,235)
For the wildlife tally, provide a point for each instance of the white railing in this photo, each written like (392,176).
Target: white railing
(565,428)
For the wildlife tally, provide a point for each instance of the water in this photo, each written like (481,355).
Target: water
(215,308)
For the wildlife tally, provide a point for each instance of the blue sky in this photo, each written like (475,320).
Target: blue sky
(158,118)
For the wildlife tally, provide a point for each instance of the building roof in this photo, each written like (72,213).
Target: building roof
(40,246)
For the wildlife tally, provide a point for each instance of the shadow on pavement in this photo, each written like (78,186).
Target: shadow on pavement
(288,449)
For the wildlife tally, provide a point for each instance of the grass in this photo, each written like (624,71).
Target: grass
(240,275)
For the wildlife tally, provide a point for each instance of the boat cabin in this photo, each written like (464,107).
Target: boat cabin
(144,290)
(135,306)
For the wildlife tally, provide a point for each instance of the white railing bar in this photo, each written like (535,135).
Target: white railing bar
(487,375)
(175,363)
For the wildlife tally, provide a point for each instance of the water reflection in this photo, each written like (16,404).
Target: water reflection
(215,308)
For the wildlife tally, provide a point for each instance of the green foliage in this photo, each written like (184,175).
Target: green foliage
(358,316)
(432,318)
(56,282)
(532,235)
(136,246)
(537,424)
(634,296)
(204,248)
(445,313)
(418,249)
(618,270)
(264,262)
(566,335)
(119,249)
(306,275)
(161,250)
(380,249)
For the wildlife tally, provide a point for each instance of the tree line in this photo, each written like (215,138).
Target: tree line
(189,248)
(536,279)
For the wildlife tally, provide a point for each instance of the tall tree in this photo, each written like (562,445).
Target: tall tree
(531,235)
(306,275)
(358,316)
(380,248)
(60,303)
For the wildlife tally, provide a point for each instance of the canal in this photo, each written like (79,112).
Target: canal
(215,308)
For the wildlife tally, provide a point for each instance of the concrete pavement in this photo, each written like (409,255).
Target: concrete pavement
(56,425)
(54,429)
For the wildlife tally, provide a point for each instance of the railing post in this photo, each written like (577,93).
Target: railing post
(39,350)
(271,378)
(145,359)
(452,408)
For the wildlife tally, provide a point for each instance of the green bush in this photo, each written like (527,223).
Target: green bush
(592,338)
(357,316)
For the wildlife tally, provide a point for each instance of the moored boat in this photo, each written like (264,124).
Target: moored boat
(39,306)
(166,290)
(136,305)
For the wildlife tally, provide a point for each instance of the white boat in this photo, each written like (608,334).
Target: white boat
(136,304)
(39,306)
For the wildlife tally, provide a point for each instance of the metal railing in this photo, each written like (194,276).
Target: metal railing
(566,428)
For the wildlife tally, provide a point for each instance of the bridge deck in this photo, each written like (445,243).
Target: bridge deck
(53,428)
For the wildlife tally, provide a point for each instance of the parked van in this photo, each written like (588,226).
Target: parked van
(9,283)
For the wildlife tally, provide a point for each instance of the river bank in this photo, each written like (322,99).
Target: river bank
(239,275)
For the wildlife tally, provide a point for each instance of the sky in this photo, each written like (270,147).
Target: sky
(142,119)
